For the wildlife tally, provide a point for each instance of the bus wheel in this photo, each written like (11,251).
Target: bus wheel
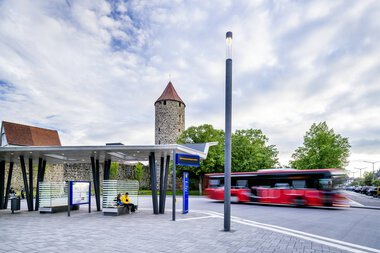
(299,202)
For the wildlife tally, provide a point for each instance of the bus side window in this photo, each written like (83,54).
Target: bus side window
(214,183)
(299,184)
(242,184)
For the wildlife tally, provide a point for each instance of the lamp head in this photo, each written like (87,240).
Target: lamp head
(229,45)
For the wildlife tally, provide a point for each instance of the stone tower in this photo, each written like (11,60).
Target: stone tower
(169,116)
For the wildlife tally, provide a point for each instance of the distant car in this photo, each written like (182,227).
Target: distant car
(364,189)
(370,190)
(375,191)
(358,189)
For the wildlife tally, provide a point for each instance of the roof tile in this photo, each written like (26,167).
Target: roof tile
(169,94)
(23,135)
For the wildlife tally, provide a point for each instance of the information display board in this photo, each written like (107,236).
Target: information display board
(80,192)
(188,160)
(185,192)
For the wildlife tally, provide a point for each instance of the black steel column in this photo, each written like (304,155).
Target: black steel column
(2,183)
(167,162)
(106,169)
(153,180)
(95,181)
(8,185)
(39,172)
(31,183)
(97,184)
(43,170)
(162,168)
(26,188)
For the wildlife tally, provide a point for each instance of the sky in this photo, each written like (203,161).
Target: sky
(93,69)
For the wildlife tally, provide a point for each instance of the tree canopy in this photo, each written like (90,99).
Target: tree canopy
(251,152)
(201,134)
(322,148)
(249,149)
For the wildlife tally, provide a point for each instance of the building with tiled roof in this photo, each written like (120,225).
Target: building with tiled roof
(169,116)
(14,134)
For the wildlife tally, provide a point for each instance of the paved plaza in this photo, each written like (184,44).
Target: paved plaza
(198,231)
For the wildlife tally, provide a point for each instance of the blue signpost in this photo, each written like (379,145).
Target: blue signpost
(185,192)
(186,160)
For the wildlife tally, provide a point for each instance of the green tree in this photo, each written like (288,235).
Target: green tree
(138,171)
(250,151)
(215,159)
(322,148)
(368,178)
(114,170)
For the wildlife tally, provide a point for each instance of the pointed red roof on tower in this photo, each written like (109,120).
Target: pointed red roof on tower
(169,94)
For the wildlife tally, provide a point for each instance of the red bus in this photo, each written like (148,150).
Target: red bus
(281,186)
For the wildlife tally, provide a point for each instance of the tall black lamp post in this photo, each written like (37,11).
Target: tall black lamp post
(227,150)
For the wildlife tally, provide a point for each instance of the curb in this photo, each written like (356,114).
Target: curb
(367,207)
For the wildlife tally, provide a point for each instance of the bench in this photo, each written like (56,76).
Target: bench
(56,209)
(117,210)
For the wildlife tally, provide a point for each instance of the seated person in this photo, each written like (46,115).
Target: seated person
(118,200)
(126,201)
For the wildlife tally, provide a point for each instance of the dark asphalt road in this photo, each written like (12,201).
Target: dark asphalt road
(358,226)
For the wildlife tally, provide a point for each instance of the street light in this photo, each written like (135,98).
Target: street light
(373,168)
(360,170)
(227,148)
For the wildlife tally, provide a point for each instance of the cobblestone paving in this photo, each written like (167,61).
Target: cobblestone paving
(139,232)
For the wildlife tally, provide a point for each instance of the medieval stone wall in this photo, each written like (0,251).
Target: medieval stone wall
(63,172)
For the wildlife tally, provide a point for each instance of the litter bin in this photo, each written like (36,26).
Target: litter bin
(15,204)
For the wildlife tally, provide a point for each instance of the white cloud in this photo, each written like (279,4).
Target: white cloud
(93,69)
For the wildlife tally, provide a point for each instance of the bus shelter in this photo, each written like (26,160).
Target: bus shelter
(26,156)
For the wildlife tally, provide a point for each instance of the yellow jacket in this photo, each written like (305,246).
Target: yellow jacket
(125,199)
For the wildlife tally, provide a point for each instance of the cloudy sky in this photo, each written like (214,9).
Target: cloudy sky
(93,69)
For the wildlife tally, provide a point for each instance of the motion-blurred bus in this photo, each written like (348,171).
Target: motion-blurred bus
(281,186)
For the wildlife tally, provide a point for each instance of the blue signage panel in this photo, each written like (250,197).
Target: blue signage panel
(187,160)
(185,192)
(80,192)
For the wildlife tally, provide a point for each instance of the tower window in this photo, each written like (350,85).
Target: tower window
(159,142)
(164,102)
(179,104)
(179,130)
(159,129)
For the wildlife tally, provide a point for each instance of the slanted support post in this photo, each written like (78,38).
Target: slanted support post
(106,169)
(97,185)
(153,180)
(43,170)
(95,181)
(8,185)
(166,175)
(39,173)
(162,168)
(31,184)
(2,183)
(26,187)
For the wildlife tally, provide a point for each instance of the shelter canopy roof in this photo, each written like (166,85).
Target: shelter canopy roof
(83,154)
